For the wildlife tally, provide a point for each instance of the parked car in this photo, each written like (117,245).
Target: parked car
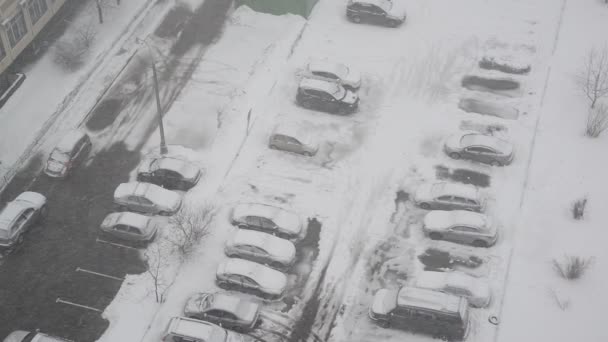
(130,226)
(480,148)
(147,198)
(251,277)
(18,216)
(461,226)
(335,72)
(380,12)
(261,247)
(70,151)
(223,309)
(449,196)
(432,312)
(326,96)
(169,172)
(182,329)
(34,336)
(293,139)
(475,290)
(270,219)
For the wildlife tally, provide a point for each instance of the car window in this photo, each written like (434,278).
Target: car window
(252,249)
(375,9)
(253,220)
(134,230)
(172,174)
(485,150)
(216,313)
(248,281)
(458,199)
(463,229)
(325,74)
(458,291)
(474,149)
(293,141)
(267,223)
(121,228)
(133,199)
(470,201)
(145,201)
(444,198)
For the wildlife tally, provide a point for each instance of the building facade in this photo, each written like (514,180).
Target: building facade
(20,23)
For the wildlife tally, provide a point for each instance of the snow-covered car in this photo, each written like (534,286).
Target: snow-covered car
(382,12)
(70,150)
(185,329)
(322,69)
(18,216)
(449,196)
(130,226)
(251,277)
(439,314)
(224,309)
(261,247)
(270,219)
(478,147)
(169,172)
(460,226)
(475,290)
(34,336)
(293,139)
(326,96)
(146,198)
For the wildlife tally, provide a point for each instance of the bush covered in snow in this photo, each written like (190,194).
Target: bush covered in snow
(597,120)
(578,208)
(571,267)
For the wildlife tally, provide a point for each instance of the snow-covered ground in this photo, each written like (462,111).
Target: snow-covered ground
(358,185)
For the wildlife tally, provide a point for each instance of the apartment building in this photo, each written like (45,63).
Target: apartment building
(20,22)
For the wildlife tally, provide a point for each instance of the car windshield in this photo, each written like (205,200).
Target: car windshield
(60,156)
(386,5)
(154,164)
(338,91)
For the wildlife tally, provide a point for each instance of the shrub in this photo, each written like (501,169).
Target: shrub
(188,227)
(597,120)
(578,208)
(571,267)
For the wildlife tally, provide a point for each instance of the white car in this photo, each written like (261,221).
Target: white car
(252,277)
(349,78)
(20,215)
(478,147)
(261,247)
(130,226)
(475,290)
(293,139)
(460,226)
(270,219)
(34,336)
(147,198)
(449,196)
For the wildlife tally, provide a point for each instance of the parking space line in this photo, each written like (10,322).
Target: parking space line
(78,269)
(59,300)
(116,244)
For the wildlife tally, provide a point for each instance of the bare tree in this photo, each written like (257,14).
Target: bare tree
(597,120)
(188,227)
(571,267)
(593,78)
(156,259)
(86,35)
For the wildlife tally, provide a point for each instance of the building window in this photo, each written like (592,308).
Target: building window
(16,29)
(2,52)
(37,8)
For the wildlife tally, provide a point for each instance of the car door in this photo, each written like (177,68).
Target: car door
(487,155)
(133,202)
(266,224)
(280,141)
(475,153)
(376,14)
(460,203)
(147,205)
(444,202)
(253,222)
(294,145)
(134,233)
(29,216)
(460,234)
(249,283)
(214,316)
(121,231)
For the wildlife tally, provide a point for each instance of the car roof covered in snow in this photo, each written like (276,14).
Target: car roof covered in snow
(194,328)
(283,218)
(66,144)
(263,275)
(133,219)
(476,139)
(295,131)
(455,189)
(230,303)
(443,219)
(438,280)
(314,83)
(132,188)
(270,243)
(338,69)
(10,213)
(380,3)
(428,299)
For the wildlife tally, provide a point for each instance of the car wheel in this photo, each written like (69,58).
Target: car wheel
(44,212)
(384,324)
(480,243)
(435,236)
(425,206)
(454,155)
(355,18)
(20,239)
(393,23)
(495,163)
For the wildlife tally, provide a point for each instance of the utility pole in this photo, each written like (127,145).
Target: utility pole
(163,145)
(99,11)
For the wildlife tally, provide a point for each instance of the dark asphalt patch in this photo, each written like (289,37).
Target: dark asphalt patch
(174,22)
(463,176)
(483,107)
(489,84)
(22,179)
(104,114)
(204,27)
(489,63)
(44,268)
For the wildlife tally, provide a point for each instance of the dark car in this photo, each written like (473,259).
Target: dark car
(70,151)
(380,12)
(326,96)
(224,309)
(169,172)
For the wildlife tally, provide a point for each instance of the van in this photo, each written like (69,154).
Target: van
(439,314)
(182,329)
(70,150)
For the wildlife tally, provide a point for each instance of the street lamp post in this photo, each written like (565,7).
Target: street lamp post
(159,108)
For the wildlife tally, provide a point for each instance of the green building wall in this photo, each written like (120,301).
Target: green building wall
(278,7)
